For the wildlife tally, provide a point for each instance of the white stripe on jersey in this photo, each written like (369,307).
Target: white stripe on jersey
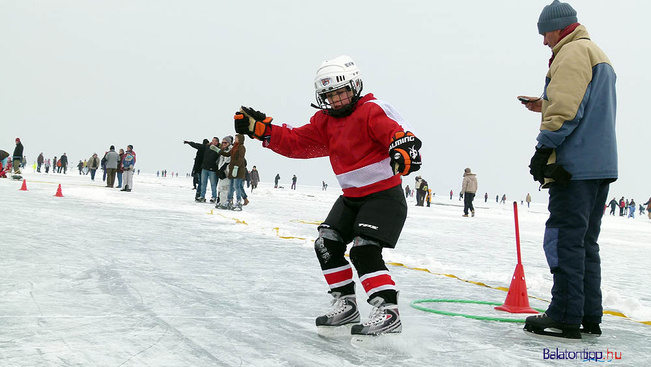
(393,114)
(366,175)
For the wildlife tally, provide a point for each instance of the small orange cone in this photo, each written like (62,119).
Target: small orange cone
(24,187)
(59,194)
(517,300)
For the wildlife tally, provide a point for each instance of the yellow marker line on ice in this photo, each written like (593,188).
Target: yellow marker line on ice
(505,289)
(223,216)
(315,222)
(607,312)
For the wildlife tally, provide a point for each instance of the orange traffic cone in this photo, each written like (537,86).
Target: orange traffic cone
(24,187)
(517,300)
(59,194)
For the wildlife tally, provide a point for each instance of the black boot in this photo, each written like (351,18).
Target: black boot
(591,328)
(126,188)
(545,325)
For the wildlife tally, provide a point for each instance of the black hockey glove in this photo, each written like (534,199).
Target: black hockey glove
(404,153)
(253,123)
(538,164)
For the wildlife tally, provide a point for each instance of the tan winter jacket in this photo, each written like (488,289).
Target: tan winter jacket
(469,184)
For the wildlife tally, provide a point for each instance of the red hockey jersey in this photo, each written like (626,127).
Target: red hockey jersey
(358,145)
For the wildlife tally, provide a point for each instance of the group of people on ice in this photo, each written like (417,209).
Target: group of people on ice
(116,164)
(628,207)
(113,163)
(224,166)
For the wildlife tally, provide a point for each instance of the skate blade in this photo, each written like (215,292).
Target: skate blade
(550,335)
(334,331)
(382,341)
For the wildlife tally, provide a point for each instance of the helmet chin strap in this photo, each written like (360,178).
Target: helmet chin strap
(345,110)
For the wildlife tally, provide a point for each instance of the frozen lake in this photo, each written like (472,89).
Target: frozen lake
(101,277)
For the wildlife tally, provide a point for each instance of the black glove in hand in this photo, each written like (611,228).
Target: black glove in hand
(253,123)
(404,153)
(538,164)
(241,123)
(256,115)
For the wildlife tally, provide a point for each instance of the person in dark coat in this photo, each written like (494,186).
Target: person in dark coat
(39,162)
(208,170)
(613,206)
(17,156)
(198,161)
(64,163)
(255,178)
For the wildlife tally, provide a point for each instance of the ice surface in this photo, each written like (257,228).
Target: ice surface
(150,278)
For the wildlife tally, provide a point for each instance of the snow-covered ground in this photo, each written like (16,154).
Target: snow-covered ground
(101,277)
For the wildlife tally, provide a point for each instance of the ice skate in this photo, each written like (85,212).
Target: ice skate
(384,319)
(546,326)
(200,200)
(590,328)
(237,207)
(339,320)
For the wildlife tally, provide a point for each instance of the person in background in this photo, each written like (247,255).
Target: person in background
(223,172)
(196,167)
(648,208)
(613,206)
(255,178)
(631,209)
(17,156)
(39,161)
(4,160)
(236,172)
(208,170)
(120,171)
(93,165)
(468,191)
(64,163)
(112,159)
(128,164)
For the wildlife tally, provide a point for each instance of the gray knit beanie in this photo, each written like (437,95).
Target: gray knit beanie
(555,16)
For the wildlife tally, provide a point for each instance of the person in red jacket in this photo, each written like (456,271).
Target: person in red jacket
(370,147)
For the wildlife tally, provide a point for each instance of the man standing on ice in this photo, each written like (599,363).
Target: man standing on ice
(370,148)
(576,158)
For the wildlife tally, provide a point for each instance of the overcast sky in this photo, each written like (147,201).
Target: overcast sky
(78,76)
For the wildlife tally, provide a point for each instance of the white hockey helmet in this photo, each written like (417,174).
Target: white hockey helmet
(340,72)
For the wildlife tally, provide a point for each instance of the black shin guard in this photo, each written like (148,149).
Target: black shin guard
(366,256)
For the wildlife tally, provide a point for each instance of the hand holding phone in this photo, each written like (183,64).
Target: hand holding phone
(524,99)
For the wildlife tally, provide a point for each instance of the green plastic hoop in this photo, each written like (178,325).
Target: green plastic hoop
(415,304)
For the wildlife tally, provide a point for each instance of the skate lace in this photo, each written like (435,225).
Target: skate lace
(376,317)
(340,306)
